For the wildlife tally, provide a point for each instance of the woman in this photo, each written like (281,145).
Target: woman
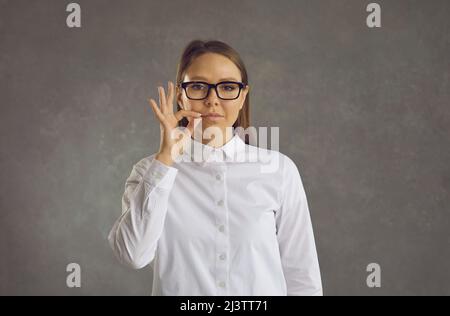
(217,225)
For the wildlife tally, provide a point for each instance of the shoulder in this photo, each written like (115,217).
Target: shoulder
(278,161)
(289,165)
(143,164)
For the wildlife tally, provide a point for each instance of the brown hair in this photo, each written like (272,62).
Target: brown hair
(197,48)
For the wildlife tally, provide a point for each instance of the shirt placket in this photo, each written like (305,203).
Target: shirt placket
(222,229)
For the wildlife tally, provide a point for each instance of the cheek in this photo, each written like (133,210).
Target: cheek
(232,111)
(198,107)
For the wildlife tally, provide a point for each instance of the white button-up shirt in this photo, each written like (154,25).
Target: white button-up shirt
(232,220)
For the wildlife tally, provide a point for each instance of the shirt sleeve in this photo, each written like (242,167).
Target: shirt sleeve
(135,234)
(295,236)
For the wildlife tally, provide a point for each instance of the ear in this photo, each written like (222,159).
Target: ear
(244,93)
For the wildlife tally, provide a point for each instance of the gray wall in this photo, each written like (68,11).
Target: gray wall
(363,112)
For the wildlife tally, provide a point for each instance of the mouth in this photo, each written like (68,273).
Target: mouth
(212,115)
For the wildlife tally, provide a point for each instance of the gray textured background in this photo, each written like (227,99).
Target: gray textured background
(363,112)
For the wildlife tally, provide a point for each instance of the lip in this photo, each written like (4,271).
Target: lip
(212,115)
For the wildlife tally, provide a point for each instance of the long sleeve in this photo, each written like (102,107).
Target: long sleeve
(136,232)
(295,236)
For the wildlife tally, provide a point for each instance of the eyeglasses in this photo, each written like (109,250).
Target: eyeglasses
(225,90)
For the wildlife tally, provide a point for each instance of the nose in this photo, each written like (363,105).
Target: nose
(212,97)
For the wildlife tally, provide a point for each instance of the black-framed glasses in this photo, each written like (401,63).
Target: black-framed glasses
(225,90)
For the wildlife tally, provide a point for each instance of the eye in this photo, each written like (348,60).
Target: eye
(229,87)
(197,86)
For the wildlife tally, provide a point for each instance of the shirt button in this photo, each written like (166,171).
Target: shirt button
(223,256)
(218,177)
(220,203)
(221,228)
(222,284)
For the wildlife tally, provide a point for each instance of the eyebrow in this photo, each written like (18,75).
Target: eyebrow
(223,79)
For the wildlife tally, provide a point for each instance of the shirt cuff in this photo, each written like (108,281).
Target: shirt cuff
(160,175)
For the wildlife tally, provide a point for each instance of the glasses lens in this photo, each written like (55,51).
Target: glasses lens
(196,90)
(228,90)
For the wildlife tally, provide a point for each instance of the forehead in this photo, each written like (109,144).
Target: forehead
(212,67)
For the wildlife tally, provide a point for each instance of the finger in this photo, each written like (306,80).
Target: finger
(162,99)
(156,110)
(170,88)
(186,113)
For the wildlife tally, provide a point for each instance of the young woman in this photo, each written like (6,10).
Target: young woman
(217,225)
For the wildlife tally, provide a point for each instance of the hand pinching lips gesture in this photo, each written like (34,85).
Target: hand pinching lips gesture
(169,122)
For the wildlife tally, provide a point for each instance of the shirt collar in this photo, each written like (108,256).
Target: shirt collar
(201,153)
